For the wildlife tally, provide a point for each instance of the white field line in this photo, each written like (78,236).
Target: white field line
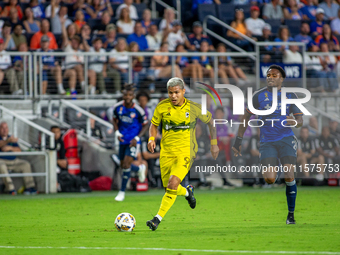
(169,249)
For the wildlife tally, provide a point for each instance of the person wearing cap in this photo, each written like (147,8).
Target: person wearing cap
(49,66)
(6,70)
(197,37)
(335,24)
(309,10)
(132,9)
(317,24)
(44,30)
(254,23)
(330,8)
(154,38)
(138,37)
(176,36)
(273,10)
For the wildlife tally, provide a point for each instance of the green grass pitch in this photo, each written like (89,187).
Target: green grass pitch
(242,221)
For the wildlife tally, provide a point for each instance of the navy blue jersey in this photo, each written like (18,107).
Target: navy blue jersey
(262,100)
(130,120)
(47,60)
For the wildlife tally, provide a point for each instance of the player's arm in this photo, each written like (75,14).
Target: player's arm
(298,119)
(237,145)
(214,147)
(155,122)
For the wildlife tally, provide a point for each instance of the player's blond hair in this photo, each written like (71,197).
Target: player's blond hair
(175,82)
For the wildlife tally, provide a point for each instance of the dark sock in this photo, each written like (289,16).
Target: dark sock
(126,176)
(291,191)
(134,168)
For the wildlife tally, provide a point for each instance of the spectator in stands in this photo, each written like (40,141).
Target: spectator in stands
(45,30)
(125,24)
(37,9)
(291,11)
(60,148)
(70,31)
(143,99)
(309,10)
(98,7)
(6,36)
(267,50)
(239,24)
(31,25)
(49,66)
(254,23)
(9,143)
(138,37)
(120,62)
(273,10)
(6,70)
(192,70)
(329,64)
(306,153)
(196,3)
(292,55)
(48,11)
(313,127)
(73,63)
(166,22)
(154,38)
(304,34)
(330,8)
(335,132)
(138,71)
(283,36)
(110,40)
(317,24)
(328,146)
(13,17)
(146,21)
(12,4)
(197,37)
(335,24)
(233,71)
(79,21)
(105,20)
(160,67)
(207,63)
(18,65)
(81,5)
(97,68)
(176,36)
(132,9)
(86,34)
(57,18)
(17,36)
(328,37)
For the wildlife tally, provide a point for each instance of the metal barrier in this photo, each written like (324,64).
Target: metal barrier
(177,12)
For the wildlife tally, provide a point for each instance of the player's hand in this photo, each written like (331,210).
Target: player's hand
(12,139)
(151,146)
(291,121)
(119,136)
(214,151)
(237,152)
(133,143)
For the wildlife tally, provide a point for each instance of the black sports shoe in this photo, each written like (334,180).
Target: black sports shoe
(191,199)
(290,218)
(153,224)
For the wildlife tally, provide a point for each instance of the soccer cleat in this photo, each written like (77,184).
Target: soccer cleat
(12,192)
(120,197)
(290,218)
(30,191)
(141,173)
(153,224)
(191,199)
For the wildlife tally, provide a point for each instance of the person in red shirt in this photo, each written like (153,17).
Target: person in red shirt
(44,30)
(12,4)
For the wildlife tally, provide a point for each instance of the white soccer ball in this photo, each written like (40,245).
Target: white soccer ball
(125,222)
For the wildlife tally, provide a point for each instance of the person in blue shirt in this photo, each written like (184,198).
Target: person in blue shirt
(276,137)
(197,37)
(317,24)
(9,143)
(304,34)
(138,37)
(49,66)
(130,123)
(309,10)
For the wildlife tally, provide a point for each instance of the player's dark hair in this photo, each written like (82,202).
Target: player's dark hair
(143,94)
(54,126)
(283,73)
(129,87)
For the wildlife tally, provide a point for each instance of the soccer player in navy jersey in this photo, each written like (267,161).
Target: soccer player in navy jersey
(130,123)
(276,141)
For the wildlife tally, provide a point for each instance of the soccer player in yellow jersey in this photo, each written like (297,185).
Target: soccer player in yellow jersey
(178,116)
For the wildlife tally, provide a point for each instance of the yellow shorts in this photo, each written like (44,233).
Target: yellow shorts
(174,165)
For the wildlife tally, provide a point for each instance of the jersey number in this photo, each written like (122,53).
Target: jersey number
(133,151)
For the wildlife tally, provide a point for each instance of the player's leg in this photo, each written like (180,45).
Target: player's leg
(138,165)
(268,158)
(58,78)
(125,166)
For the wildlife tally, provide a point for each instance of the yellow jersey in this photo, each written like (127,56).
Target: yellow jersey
(178,126)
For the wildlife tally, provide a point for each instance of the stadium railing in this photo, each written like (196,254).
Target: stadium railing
(165,5)
(29,134)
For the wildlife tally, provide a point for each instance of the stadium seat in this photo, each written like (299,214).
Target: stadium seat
(140,8)
(294,26)
(24,6)
(275,24)
(114,8)
(187,15)
(205,10)
(94,23)
(225,12)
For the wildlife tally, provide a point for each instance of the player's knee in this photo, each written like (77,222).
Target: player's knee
(269,180)
(289,179)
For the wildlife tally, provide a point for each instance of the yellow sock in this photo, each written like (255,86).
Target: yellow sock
(181,191)
(167,201)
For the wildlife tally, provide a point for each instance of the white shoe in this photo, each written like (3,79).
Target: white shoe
(61,90)
(92,90)
(141,173)
(104,92)
(120,197)
(18,92)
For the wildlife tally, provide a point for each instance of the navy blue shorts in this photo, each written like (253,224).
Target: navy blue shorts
(126,150)
(45,75)
(285,147)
